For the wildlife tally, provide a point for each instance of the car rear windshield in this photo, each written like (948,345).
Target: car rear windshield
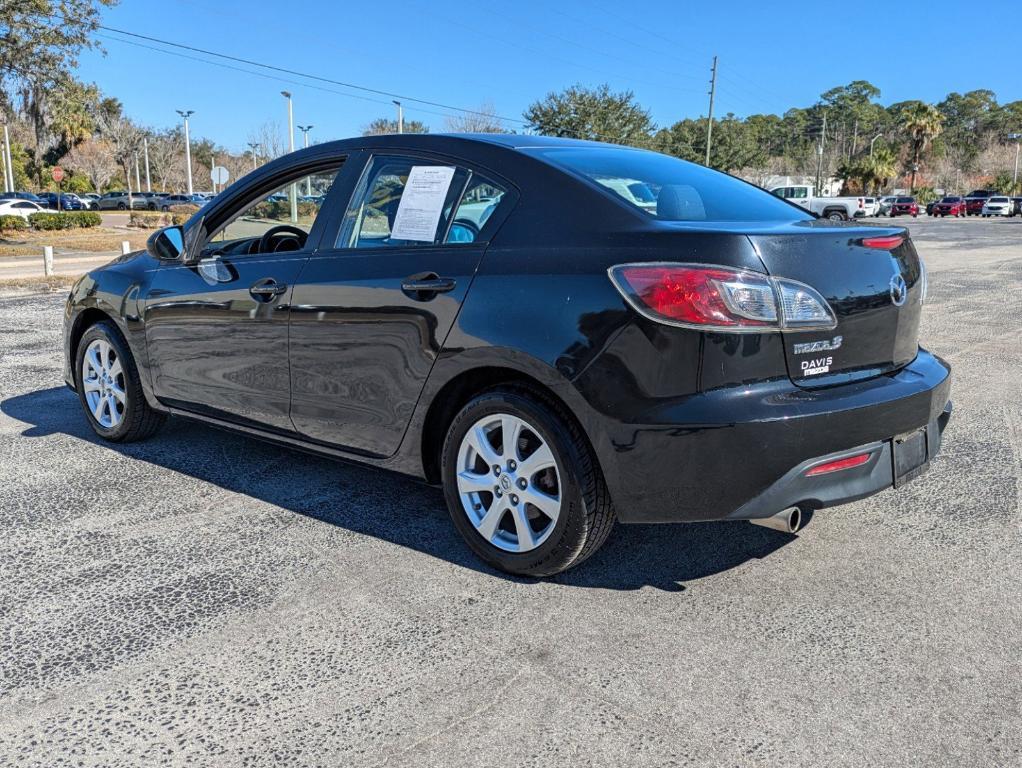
(951,200)
(670,189)
(998,199)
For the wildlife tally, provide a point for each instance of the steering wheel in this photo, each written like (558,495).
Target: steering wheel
(272,232)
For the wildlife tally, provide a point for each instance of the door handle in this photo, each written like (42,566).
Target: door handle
(267,289)
(426,285)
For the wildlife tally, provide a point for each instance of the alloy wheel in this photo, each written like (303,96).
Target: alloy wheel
(509,482)
(103,383)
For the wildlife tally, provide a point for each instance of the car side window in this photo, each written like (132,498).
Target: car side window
(294,205)
(401,202)
(475,208)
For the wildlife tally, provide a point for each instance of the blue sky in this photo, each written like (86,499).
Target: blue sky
(772,57)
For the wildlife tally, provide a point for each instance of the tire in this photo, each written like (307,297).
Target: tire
(569,478)
(151,206)
(122,419)
(164,209)
(836,216)
(122,207)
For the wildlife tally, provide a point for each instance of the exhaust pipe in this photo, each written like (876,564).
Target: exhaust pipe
(786,521)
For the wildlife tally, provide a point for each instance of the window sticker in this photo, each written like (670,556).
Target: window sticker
(422,203)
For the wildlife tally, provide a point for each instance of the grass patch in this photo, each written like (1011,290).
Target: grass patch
(50,284)
(97,239)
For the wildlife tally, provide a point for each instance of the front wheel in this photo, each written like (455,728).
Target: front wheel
(522,484)
(109,388)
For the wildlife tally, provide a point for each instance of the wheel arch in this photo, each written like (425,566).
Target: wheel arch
(462,387)
(87,318)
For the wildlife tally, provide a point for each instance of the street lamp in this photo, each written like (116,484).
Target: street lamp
(872,142)
(185,114)
(145,151)
(254,146)
(1018,141)
(293,191)
(400,117)
(8,162)
(308,179)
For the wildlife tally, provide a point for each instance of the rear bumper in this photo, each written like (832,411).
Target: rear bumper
(741,452)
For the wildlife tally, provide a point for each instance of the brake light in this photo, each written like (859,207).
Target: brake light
(885,242)
(716,298)
(839,464)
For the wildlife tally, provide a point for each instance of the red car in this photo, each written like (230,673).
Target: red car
(950,206)
(974,200)
(904,206)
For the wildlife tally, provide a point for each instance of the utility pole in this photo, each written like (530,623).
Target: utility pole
(9,163)
(709,120)
(145,150)
(293,191)
(138,181)
(855,139)
(212,165)
(254,146)
(819,160)
(308,179)
(188,148)
(400,117)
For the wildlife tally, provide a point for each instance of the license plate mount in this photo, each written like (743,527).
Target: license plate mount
(911,457)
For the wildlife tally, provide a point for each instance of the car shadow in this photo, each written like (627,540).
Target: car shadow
(403,511)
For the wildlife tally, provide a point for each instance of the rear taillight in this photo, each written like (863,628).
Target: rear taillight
(885,243)
(715,298)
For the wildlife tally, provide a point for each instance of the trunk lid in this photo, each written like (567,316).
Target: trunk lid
(874,334)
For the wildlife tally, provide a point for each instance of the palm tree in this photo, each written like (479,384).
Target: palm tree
(921,122)
(881,166)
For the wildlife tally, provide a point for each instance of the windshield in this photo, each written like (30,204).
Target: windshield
(998,199)
(951,200)
(670,189)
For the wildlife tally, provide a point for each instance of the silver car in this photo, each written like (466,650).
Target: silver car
(118,201)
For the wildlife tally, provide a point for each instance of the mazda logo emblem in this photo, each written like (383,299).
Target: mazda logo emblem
(899,290)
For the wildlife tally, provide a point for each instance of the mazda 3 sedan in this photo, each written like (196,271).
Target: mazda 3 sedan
(505,317)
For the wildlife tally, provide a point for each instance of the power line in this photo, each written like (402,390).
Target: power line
(319,78)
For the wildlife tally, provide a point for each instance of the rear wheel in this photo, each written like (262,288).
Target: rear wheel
(109,388)
(122,207)
(835,216)
(522,484)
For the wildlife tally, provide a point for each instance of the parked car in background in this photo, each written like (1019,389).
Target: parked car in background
(930,206)
(169,201)
(974,200)
(885,205)
(834,208)
(118,201)
(871,205)
(905,206)
(153,200)
(17,207)
(1016,208)
(91,200)
(68,202)
(22,196)
(577,360)
(951,205)
(998,205)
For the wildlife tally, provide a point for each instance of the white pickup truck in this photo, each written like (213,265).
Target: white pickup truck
(836,208)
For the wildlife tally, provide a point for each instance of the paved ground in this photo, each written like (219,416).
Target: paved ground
(204,599)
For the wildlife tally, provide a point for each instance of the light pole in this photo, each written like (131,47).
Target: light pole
(872,142)
(400,117)
(1018,142)
(185,114)
(254,146)
(308,179)
(138,181)
(145,151)
(293,192)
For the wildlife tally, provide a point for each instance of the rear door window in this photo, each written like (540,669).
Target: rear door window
(402,202)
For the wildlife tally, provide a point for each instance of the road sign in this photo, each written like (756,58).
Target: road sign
(58,174)
(219,175)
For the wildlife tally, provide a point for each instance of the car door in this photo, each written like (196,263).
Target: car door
(217,326)
(371,311)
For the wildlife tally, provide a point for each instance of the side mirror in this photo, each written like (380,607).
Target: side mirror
(167,243)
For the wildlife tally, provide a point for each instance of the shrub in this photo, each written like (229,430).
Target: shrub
(66,220)
(149,219)
(280,210)
(12,224)
(181,213)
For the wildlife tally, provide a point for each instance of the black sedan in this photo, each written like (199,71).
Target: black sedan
(500,316)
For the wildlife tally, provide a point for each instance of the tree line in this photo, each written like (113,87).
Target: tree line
(957,143)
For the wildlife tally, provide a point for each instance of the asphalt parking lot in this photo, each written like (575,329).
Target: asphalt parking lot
(205,599)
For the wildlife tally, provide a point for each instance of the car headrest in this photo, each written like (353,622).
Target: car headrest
(680,202)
